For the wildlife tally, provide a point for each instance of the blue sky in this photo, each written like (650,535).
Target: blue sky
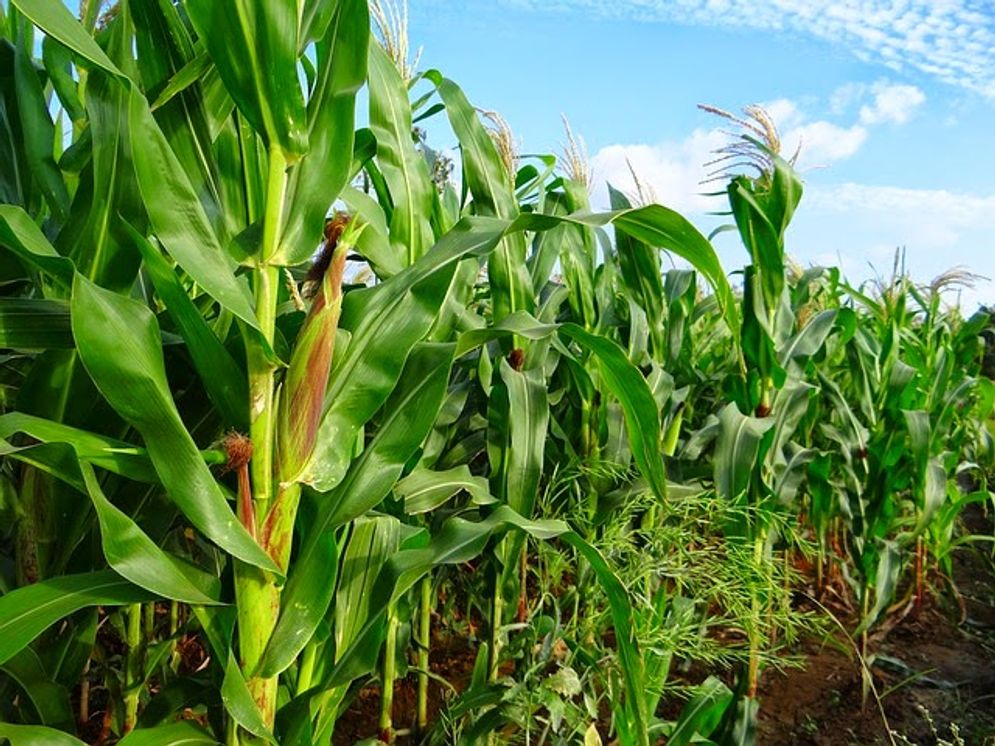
(892,100)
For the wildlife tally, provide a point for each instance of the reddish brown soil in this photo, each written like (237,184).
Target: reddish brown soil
(452,659)
(940,661)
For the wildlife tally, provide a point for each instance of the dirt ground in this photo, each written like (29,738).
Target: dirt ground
(933,671)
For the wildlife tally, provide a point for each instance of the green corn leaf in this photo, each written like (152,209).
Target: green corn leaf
(27,612)
(239,703)
(164,51)
(703,712)
(20,234)
(409,414)
(34,324)
(374,243)
(659,226)
(181,80)
(37,127)
(303,603)
(54,18)
(108,453)
(485,172)
(489,181)
(182,733)
(177,216)
(372,542)
(120,346)
(518,417)
(889,568)
(519,324)
(57,59)
(626,383)
(223,378)
(36,735)
(254,46)
(760,237)
(736,450)
(403,167)
(424,490)
(809,340)
(107,192)
(640,266)
(50,699)
(134,556)
(386,321)
(319,178)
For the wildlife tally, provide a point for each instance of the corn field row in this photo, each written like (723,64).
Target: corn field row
(285,405)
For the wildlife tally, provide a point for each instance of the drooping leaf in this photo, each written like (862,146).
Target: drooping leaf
(27,612)
(121,348)
(627,384)
(134,556)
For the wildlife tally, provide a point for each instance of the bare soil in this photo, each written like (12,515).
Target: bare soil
(933,671)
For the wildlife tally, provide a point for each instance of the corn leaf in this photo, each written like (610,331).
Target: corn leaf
(27,612)
(254,46)
(626,383)
(182,733)
(120,346)
(134,556)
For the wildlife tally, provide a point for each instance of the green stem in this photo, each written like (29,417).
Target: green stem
(756,614)
(133,682)
(256,592)
(497,617)
(865,682)
(387,677)
(425,642)
(174,625)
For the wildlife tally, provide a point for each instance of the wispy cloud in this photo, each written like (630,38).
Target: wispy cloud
(855,225)
(952,40)
(676,169)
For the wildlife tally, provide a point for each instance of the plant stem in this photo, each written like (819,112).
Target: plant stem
(497,616)
(865,678)
(133,681)
(425,643)
(388,674)
(756,614)
(256,593)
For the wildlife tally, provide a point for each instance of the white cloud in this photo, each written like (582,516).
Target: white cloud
(892,103)
(865,223)
(823,143)
(851,225)
(951,40)
(672,170)
(675,170)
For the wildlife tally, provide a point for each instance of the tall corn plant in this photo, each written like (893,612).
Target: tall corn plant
(757,463)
